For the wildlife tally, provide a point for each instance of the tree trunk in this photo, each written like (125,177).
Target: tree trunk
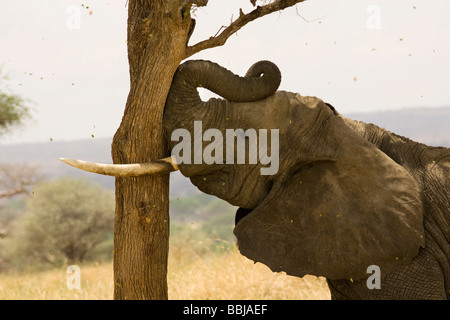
(157,36)
(158,33)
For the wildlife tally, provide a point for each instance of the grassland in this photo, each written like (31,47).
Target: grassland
(226,275)
(204,264)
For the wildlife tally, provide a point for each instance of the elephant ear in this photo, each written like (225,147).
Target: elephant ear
(335,218)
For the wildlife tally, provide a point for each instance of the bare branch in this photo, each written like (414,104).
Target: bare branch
(306,20)
(243,19)
(17,179)
(218,31)
(13,192)
(198,3)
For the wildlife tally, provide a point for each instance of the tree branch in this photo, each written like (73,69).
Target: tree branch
(12,192)
(199,3)
(243,19)
(187,4)
(17,179)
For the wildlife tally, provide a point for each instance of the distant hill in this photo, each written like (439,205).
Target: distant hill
(427,125)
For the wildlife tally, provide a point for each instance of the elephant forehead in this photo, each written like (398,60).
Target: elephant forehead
(306,104)
(307,101)
(281,103)
(304,112)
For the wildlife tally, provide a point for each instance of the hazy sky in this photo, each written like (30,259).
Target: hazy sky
(70,61)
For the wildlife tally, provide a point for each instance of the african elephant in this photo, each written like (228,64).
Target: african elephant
(345,195)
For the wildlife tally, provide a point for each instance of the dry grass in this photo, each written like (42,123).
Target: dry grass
(215,276)
(231,276)
(96,284)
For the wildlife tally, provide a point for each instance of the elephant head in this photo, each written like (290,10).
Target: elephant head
(336,203)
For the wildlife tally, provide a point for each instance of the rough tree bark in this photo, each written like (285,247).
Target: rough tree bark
(157,38)
(158,34)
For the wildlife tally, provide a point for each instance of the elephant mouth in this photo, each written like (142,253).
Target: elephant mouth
(241,213)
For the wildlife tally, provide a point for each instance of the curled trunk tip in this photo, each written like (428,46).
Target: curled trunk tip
(261,81)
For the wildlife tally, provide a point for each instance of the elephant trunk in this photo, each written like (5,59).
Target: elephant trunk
(261,81)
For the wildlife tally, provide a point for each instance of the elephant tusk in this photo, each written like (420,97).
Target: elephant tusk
(165,165)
